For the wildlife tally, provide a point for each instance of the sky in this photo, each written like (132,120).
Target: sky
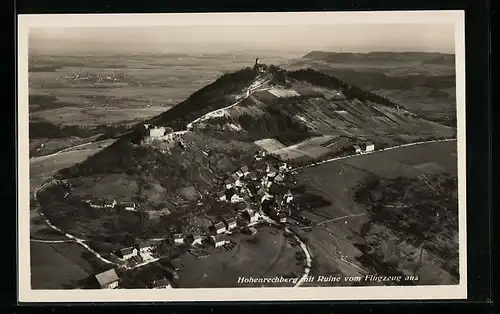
(298,39)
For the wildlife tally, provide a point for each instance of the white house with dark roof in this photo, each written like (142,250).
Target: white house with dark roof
(161,283)
(108,279)
(144,247)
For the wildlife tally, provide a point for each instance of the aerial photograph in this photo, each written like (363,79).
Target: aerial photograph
(207,156)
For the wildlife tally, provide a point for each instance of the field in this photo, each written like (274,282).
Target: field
(341,222)
(268,254)
(57,265)
(60,265)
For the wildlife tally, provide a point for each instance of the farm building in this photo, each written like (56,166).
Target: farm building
(178,238)
(195,239)
(235,177)
(238,183)
(219,227)
(236,198)
(161,283)
(251,215)
(245,170)
(239,173)
(230,223)
(108,279)
(127,253)
(128,205)
(110,203)
(144,247)
(357,149)
(96,203)
(283,167)
(241,206)
(228,186)
(370,147)
(219,240)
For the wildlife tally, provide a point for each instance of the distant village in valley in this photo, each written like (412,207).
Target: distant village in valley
(260,192)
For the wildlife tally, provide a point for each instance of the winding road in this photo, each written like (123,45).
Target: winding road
(373,152)
(255,85)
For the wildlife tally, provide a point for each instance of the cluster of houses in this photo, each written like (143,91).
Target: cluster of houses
(367,147)
(111,204)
